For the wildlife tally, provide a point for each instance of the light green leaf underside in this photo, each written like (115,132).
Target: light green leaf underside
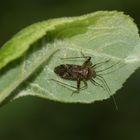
(101,35)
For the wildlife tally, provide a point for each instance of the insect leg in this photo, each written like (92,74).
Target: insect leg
(82,88)
(68,86)
(78,84)
(87,62)
(74,57)
(83,56)
(63,84)
(88,58)
(108,89)
(78,87)
(100,78)
(96,83)
(85,85)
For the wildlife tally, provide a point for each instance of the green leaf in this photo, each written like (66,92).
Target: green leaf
(29,58)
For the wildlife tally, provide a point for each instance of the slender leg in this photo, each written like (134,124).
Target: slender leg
(108,90)
(74,57)
(78,85)
(96,84)
(87,62)
(100,78)
(63,84)
(85,85)
(88,58)
(83,56)
(78,88)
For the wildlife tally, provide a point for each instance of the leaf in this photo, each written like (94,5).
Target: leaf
(29,58)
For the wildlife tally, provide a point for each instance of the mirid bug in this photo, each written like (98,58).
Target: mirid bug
(83,73)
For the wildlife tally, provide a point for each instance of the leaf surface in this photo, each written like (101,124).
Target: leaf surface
(29,58)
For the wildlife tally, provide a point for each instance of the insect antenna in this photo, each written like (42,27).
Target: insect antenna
(100,64)
(98,71)
(112,70)
(100,78)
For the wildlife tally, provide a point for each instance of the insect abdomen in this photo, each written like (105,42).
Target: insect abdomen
(64,71)
(72,72)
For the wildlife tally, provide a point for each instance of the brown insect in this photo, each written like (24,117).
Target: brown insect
(83,73)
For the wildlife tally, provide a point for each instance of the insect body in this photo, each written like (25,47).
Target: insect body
(83,73)
(79,73)
(75,72)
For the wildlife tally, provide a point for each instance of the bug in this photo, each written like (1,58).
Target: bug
(83,73)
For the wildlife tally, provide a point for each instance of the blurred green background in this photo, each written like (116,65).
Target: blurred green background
(34,118)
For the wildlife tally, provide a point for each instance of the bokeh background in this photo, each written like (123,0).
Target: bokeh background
(38,119)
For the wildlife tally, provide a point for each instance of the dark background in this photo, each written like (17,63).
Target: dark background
(34,118)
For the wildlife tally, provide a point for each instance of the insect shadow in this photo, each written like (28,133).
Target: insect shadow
(83,73)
